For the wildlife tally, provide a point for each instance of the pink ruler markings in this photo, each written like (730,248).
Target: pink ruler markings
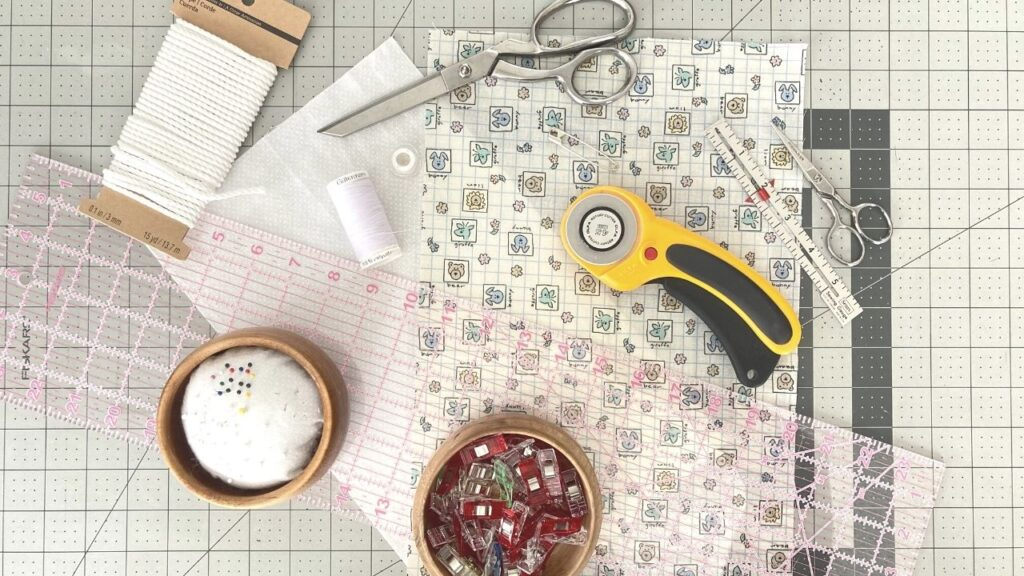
(367,323)
(93,324)
(378,327)
(862,505)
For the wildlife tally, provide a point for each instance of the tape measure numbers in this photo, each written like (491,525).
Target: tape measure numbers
(760,188)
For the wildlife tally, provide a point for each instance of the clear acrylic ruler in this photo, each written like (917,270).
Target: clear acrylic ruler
(760,189)
(730,469)
(692,475)
(93,325)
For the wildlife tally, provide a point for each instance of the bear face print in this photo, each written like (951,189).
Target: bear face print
(735,106)
(598,111)
(464,95)
(784,382)
(659,194)
(533,184)
(456,271)
(586,284)
(648,552)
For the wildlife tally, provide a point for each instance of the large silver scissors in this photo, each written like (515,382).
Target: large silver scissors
(489,63)
(838,207)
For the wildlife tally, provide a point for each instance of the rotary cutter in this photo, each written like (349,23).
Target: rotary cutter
(617,237)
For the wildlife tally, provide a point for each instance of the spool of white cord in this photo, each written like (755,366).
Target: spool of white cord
(366,224)
(195,110)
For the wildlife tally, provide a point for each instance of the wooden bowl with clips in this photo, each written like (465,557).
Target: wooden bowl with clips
(331,389)
(564,559)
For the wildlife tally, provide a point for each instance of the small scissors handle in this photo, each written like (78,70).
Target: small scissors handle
(566,72)
(856,232)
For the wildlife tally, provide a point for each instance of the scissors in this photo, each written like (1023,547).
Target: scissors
(838,207)
(489,63)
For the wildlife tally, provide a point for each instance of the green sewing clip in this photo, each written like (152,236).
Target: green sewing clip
(503,475)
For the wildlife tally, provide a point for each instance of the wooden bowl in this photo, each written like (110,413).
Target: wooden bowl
(564,559)
(170,430)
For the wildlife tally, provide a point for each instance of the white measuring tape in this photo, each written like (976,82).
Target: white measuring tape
(759,186)
(195,110)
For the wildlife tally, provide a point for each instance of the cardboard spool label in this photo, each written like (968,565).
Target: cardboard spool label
(134,219)
(267,29)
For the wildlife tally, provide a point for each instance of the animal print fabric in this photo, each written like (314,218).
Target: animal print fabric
(497,186)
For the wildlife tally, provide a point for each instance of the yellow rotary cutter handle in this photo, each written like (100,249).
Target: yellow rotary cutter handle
(618,238)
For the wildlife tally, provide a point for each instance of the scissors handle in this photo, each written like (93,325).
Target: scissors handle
(610,38)
(836,233)
(871,208)
(566,72)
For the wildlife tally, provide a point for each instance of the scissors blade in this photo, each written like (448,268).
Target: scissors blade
(813,174)
(465,72)
(391,105)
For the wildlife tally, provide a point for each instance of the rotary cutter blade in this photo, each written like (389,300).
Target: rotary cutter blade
(618,238)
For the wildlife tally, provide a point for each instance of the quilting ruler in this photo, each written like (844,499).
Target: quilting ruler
(93,325)
(760,189)
(857,506)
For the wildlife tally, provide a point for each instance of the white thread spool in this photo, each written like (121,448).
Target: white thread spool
(195,110)
(362,214)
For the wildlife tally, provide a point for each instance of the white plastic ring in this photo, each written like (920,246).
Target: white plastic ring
(403,161)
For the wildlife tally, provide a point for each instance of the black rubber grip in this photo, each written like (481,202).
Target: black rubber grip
(752,360)
(735,286)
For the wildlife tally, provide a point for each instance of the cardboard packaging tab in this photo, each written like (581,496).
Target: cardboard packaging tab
(267,29)
(132,218)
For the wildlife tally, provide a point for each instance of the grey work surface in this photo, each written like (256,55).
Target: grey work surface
(917,104)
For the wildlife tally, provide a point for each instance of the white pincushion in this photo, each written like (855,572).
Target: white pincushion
(252,417)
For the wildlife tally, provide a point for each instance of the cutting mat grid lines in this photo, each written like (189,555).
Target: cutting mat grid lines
(888,81)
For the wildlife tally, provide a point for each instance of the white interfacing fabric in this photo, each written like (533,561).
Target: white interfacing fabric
(293,165)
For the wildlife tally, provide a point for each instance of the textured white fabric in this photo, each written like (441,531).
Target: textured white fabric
(292,165)
(252,416)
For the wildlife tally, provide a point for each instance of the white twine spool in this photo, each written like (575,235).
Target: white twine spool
(195,110)
(366,224)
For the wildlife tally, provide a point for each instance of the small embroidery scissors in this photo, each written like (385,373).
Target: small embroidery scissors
(838,207)
(489,62)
